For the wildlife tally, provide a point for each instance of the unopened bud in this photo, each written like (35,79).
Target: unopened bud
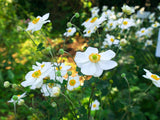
(58,73)
(69,24)
(123,42)
(6,84)
(21,102)
(15,97)
(69,73)
(14,86)
(61,51)
(123,75)
(53,104)
(77,15)
(111,81)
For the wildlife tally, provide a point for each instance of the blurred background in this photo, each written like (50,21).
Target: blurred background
(18,54)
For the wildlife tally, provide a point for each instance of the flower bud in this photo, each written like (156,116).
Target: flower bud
(15,97)
(69,73)
(69,24)
(111,81)
(21,102)
(6,84)
(123,42)
(77,15)
(61,51)
(53,104)
(58,73)
(123,75)
(14,86)
(55,92)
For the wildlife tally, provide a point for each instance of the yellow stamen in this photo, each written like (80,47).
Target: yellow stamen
(125,22)
(142,31)
(50,85)
(36,74)
(59,68)
(111,24)
(35,20)
(18,95)
(87,20)
(88,31)
(112,40)
(94,105)
(69,30)
(72,82)
(155,77)
(93,19)
(94,57)
(42,65)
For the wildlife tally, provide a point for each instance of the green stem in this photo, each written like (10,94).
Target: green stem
(89,108)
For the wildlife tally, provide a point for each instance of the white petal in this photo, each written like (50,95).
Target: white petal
(45,17)
(109,54)
(80,59)
(98,72)
(88,68)
(106,65)
(91,50)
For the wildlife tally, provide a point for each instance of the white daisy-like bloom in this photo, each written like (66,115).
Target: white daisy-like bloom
(38,22)
(148,43)
(152,17)
(51,89)
(70,31)
(95,105)
(128,10)
(19,98)
(93,63)
(155,25)
(35,78)
(88,32)
(62,68)
(153,77)
(126,23)
(94,11)
(149,31)
(104,44)
(141,32)
(109,14)
(104,8)
(119,14)
(111,24)
(111,40)
(73,82)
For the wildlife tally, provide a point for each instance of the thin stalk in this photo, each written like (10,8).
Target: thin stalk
(31,38)
(70,56)
(128,90)
(89,108)
(15,110)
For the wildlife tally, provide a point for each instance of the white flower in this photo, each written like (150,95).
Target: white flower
(94,11)
(62,68)
(35,78)
(111,24)
(19,97)
(50,89)
(95,105)
(142,32)
(88,32)
(155,25)
(126,23)
(70,31)
(104,8)
(143,14)
(153,77)
(37,23)
(93,63)
(148,43)
(73,82)
(128,10)
(111,40)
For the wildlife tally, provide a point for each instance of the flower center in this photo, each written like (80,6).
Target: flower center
(87,20)
(94,105)
(93,19)
(142,31)
(125,22)
(35,20)
(111,24)
(72,82)
(59,68)
(88,31)
(94,57)
(50,85)
(155,77)
(36,74)
(69,30)
(42,65)
(18,95)
(155,25)
(112,40)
